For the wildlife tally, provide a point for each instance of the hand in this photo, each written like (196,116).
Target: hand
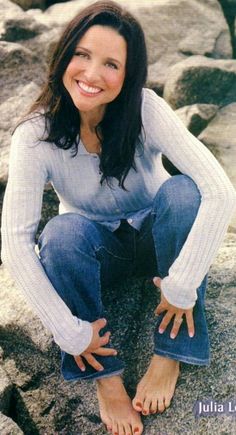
(95,347)
(171,311)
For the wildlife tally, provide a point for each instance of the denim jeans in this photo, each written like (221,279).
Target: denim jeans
(82,257)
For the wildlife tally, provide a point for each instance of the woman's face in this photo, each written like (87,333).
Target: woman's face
(96,72)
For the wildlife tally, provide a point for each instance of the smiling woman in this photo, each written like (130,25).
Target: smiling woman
(93,78)
(97,135)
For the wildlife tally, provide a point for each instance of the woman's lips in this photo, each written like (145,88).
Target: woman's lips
(88,90)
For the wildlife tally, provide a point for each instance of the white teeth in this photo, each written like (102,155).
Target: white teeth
(89,89)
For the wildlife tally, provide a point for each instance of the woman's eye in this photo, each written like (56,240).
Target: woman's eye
(112,65)
(81,54)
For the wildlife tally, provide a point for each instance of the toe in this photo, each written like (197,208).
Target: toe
(137,429)
(153,406)
(115,429)
(137,404)
(161,405)
(127,429)
(146,406)
(167,401)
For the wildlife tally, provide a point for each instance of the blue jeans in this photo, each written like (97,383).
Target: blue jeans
(82,257)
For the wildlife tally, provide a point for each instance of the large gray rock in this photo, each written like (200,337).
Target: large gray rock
(10,112)
(199,79)
(44,403)
(199,28)
(5,391)
(28,4)
(16,26)
(8,426)
(167,44)
(197,116)
(220,137)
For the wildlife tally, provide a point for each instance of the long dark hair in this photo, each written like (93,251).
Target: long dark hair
(121,124)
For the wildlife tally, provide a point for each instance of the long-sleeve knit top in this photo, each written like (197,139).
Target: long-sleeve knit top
(76,181)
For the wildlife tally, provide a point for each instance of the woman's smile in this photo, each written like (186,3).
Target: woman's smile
(96,72)
(88,89)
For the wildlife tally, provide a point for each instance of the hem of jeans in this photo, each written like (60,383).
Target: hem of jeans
(108,375)
(93,376)
(184,359)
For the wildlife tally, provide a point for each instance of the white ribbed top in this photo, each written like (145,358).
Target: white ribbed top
(76,182)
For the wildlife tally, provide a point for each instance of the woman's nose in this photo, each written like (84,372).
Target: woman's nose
(92,72)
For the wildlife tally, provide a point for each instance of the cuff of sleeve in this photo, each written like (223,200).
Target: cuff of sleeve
(80,342)
(180,298)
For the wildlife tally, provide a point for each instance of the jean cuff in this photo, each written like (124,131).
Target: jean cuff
(183,358)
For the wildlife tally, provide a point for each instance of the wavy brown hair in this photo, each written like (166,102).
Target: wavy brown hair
(121,124)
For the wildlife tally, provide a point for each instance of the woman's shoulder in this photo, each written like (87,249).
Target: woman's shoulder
(150,99)
(32,127)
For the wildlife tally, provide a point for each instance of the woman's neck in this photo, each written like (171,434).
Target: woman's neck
(90,120)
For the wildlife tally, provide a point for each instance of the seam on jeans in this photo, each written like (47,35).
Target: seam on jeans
(186,358)
(112,254)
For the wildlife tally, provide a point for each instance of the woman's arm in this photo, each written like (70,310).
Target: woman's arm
(28,174)
(165,132)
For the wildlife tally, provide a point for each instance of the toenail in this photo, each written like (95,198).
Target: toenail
(139,404)
(136,429)
(145,412)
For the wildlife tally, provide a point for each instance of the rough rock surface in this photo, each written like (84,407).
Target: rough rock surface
(44,403)
(197,116)
(27,4)
(8,426)
(220,137)
(167,44)
(199,79)
(16,25)
(5,391)
(10,112)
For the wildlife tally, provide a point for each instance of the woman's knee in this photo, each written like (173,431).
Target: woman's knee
(179,194)
(64,233)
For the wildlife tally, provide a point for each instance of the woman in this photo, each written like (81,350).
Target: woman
(97,135)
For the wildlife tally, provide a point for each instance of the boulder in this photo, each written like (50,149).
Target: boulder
(5,391)
(16,26)
(44,403)
(220,137)
(8,426)
(10,112)
(197,116)
(201,80)
(28,4)
(167,44)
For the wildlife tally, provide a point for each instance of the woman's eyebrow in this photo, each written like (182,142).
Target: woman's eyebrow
(89,51)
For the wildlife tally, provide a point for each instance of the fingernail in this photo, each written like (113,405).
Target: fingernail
(114,353)
(172,335)
(161,331)
(83,369)
(191,334)
(100,370)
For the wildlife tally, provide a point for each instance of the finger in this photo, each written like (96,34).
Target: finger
(105,351)
(165,322)
(160,308)
(93,362)
(157,281)
(190,323)
(176,326)
(104,339)
(80,362)
(99,324)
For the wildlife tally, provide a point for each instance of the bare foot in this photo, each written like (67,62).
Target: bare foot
(116,409)
(156,388)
